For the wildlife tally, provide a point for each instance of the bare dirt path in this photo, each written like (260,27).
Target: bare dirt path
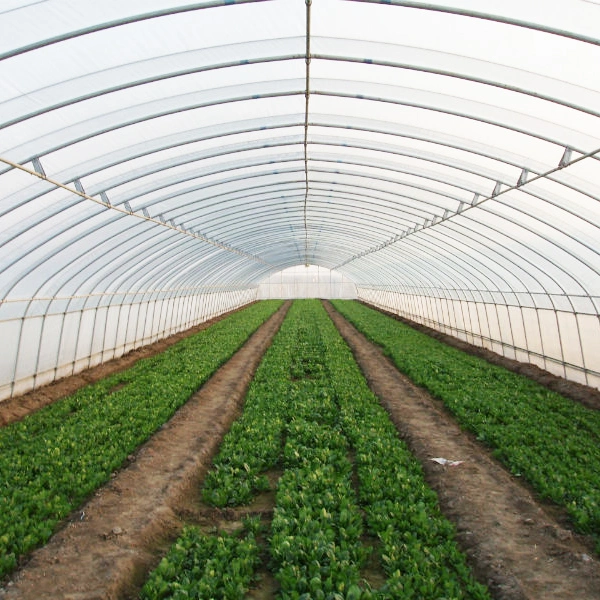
(107,547)
(515,544)
(15,409)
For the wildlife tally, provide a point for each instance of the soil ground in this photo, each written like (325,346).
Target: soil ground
(106,548)
(520,547)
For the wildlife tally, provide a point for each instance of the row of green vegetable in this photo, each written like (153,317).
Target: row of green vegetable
(538,434)
(309,412)
(53,459)
(206,566)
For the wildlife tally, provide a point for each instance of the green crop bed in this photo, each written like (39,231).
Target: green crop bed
(206,566)
(53,459)
(538,434)
(310,412)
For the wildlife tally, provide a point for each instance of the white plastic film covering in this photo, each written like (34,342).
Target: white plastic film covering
(306,281)
(160,159)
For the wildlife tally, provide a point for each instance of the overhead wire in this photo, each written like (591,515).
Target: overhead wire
(108,205)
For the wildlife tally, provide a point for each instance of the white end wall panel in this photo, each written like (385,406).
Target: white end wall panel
(307,282)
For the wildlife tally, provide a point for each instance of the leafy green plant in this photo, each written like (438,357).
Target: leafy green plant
(205,566)
(53,459)
(323,411)
(538,434)
(316,528)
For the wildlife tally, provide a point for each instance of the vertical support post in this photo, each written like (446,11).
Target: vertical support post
(91,348)
(77,338)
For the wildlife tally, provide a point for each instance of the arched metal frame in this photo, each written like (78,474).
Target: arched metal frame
(170,173)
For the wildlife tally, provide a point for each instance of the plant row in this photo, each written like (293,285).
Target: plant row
(309,411)
(54,458)
(418,553)
(551,441)
(206,566)
(315,543)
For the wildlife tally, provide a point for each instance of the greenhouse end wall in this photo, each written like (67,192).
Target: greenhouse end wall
(312,281)
(48,344)
(561,342)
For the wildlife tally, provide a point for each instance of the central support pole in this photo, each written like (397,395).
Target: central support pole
(307,97)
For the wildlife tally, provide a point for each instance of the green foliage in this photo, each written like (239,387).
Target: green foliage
(56,457)
(323,410)
(551,441)
(204,566)
(290,419)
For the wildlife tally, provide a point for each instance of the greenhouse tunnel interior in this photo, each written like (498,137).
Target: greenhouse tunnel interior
(164,162)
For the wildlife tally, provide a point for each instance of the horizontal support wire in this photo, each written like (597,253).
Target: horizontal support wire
(202,289)
(198,236)
(479,200)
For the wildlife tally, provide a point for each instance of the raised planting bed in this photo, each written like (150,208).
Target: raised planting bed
(53,459)
(349,488)
(206,566)
(552,442)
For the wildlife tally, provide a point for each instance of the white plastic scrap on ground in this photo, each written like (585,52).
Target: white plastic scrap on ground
(446,462)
